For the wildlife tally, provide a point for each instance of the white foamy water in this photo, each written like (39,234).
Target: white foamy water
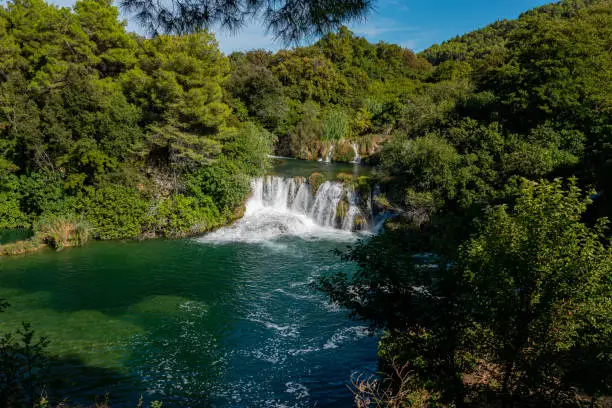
(282,206)
(355,147)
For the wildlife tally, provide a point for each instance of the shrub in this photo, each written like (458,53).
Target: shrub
(224,182)
(115,212)
(180,216)
(11,216)
(343,152)
(23,360)
(63,231)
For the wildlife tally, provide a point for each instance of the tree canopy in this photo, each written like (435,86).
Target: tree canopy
(289,20)
(93,119)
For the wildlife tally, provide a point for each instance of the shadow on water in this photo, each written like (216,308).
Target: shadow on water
(71,381)
(13,235)
(117,364)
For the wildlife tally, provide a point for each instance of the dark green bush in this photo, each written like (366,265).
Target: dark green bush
(115,212)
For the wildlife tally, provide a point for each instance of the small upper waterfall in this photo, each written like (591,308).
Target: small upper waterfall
(330,152)
(355,147)
(287,206)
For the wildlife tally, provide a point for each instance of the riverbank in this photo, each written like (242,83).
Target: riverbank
(223,320)
(69,231)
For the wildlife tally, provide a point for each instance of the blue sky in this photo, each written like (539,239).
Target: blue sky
(414,24)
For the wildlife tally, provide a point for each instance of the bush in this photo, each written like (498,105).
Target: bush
(343,152)
(23,360)
(63,231)
(115,212)
(224,182)
(180,216)
(250,147)
(11,213)
(11,216)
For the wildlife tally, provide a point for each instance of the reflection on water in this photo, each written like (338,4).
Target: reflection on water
(288,167)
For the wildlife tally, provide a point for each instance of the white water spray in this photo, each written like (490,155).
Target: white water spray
(328,157)
(355,147)
(286,206)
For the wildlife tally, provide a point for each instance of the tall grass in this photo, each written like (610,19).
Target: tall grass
(335,125)
(61,231)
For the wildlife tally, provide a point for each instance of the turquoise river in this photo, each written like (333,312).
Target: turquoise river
(224,320)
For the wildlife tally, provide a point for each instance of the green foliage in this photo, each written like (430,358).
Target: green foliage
(427,164)
(521,295)
(224,182)
(249,146)
(290,21)
(340,87)
(23,362)
(115,212)
(60,231)
(344,177)
(307,132)
(335,125)
(11,216)
(524,301)
(86,108)
(181,215)
(538,282)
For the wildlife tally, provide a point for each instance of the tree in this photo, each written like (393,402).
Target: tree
(526,300)
(289,20)
(539,281)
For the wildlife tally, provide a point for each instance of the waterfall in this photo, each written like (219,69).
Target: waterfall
(328,157)
(355,147)
(287,206)
(326,202)
(348,224)
(294,195)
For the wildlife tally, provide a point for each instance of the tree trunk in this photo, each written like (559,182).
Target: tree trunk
(506,397)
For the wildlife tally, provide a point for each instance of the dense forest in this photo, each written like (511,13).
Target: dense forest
(128,135)
(493,286)
(492,283)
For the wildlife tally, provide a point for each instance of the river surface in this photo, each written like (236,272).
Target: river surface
(224,320)
(288,167)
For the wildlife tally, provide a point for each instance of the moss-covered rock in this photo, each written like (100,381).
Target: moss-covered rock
(344,177)
(341,210)
(360,223)
(363,185)
(315,180)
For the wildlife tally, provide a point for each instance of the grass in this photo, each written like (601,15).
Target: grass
(63,231)
(21,247)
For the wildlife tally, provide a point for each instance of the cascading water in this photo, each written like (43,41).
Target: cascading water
(286,206)
(355,147)
(328,157)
